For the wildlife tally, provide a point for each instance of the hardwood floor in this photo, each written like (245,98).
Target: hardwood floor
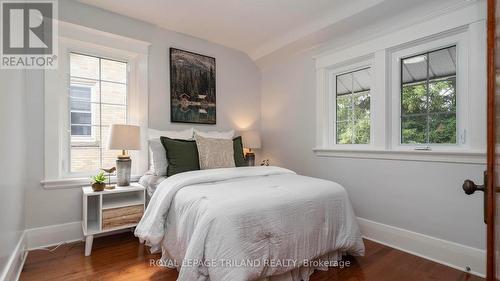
(121,257)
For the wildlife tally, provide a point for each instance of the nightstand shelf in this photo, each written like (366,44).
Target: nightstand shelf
(122,199)
(92,227)
(111,210)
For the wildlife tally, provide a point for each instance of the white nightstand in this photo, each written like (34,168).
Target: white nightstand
(111,210)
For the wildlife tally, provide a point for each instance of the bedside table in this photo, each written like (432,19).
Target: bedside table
(111,210)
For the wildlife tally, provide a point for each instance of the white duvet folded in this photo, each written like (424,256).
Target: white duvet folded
(247,223)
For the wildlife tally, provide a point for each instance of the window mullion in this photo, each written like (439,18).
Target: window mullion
(427,139)
(353,121)
(100,114)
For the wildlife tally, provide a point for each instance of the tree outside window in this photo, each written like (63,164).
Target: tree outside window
(353,107)
(428,98)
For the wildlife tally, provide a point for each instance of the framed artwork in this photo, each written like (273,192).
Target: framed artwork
(192,88)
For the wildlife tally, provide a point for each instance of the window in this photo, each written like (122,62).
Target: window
(421,94)
(98,98)
(101,79)
(428,98)
(81,114)
(352,95)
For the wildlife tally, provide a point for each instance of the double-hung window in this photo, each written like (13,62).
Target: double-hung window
(98,98)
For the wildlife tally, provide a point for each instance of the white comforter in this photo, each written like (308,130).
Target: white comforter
(249,223)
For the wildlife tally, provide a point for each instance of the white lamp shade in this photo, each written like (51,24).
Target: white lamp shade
(124,137)
(251,139)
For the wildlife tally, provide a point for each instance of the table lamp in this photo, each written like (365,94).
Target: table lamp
(251,140)
(124,137)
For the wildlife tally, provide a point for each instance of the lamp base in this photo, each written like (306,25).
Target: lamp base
(123,168)
(250,158)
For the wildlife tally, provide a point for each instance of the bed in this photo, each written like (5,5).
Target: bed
(249,223)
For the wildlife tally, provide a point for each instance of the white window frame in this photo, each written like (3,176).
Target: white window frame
(467,28)
(461,90)
(75,38)
(331,101)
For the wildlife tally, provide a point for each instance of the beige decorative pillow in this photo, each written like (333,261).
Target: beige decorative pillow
(215,153)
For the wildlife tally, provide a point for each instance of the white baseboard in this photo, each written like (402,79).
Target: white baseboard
(438,250)
(47,236)
(15,263)
(51,235)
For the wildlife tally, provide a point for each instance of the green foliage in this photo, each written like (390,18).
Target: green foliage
(426,117)
(353,118)
(99,178)
(429,117)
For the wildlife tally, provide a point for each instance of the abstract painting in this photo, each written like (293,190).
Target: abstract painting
(192,88)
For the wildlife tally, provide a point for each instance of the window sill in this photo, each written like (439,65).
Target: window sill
(68,183)
(468,157)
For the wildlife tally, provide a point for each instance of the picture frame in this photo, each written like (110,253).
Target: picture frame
(192,88)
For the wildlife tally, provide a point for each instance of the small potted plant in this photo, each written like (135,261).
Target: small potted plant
(99,182)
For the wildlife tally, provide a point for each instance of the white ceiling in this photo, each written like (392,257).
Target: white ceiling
(256,27)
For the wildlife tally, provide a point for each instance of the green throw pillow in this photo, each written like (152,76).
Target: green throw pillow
(182,155)
(239,159)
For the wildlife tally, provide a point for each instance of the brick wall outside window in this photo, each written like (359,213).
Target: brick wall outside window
(107,82)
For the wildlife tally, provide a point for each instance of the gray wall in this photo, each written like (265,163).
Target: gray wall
(238,100)
(12,161)
(423,197)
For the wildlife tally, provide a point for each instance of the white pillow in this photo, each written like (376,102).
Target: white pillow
(157,155)
(215,134)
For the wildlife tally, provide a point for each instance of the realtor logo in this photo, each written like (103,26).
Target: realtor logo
(29,35)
